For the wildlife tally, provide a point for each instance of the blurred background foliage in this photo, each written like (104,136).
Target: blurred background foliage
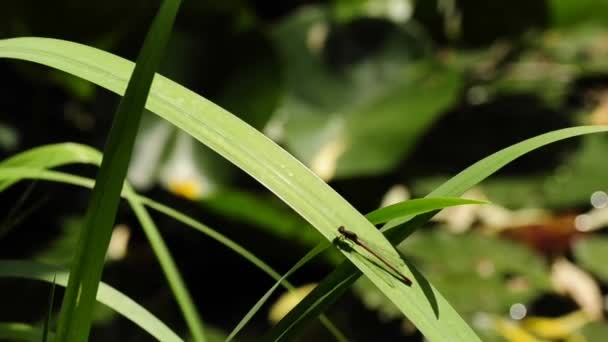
(384,99)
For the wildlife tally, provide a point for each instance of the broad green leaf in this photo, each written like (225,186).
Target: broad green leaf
(595,331)
(105,294)
(399,11)
(591,253)
(335,284)
(573,182)
(362,117)
(552,62)
(256,155)
(577,12)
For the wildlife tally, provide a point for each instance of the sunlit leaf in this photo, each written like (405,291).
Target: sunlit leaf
(253,153)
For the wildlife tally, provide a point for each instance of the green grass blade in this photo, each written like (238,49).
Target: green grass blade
(397,210)
(14,174)
(55,155)
(415,207)
(17,167)
(174,278)
(76,311)
(482,169)
(50,156)
(252,152)
(340,280)
(106,295)
(406,208)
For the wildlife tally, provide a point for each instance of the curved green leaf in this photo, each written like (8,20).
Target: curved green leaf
(106,295)
(258,156)
(397,210)
(76,314)
(50,156)
(31,164)
(319,299)
(63,151)
(416,206)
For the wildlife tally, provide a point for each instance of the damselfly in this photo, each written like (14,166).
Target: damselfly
(351,236)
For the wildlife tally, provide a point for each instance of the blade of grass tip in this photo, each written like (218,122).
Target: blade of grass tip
(340,280)
(47,321)
(85,274)
(416,206)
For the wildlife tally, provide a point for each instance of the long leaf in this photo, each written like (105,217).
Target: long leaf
(391,212)
(340,280)
(106,295)
(258,156)
(85,274)
(54,155)
(415,207)
(14,174)
(32,164)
